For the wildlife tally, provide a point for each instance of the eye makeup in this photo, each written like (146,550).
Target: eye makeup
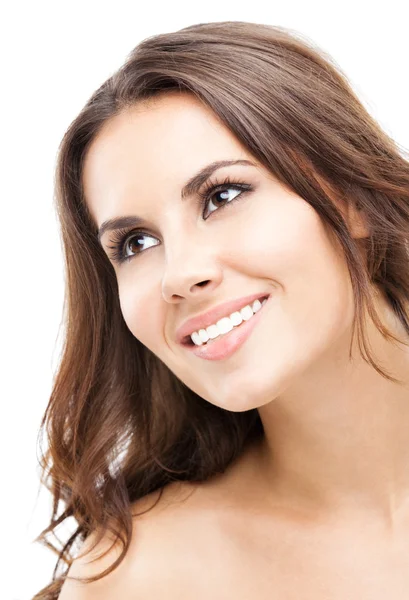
(120,238)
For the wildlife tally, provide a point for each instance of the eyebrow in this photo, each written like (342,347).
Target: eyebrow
(190,188)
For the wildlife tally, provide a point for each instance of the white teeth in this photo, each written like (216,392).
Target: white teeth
(256,305)
(246,313)
(213,331)
(196,339)
(236,318)
(204,336)
(226,324)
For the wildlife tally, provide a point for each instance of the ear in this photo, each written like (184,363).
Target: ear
(353,215)
(356,220)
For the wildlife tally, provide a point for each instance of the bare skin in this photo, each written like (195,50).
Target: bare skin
(319,508)
(220,539)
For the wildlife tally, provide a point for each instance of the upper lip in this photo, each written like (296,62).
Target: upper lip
(212,316)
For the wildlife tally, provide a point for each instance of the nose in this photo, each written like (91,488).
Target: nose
(191,271)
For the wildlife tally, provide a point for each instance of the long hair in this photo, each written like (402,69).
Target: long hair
(119,423)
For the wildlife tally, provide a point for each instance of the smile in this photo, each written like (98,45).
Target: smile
(223,345)
(226,324)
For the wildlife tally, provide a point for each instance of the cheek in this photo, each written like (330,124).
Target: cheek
(141,322)
(293,247)
(312,310)
(317,302)
(274,235)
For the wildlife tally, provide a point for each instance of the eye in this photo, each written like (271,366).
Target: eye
(123,239)
(213,188)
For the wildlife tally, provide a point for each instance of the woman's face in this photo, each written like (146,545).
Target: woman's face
(190,258)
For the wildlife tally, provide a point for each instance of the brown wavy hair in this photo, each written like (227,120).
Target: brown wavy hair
(119,423)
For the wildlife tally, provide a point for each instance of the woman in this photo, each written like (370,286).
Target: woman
(230,417)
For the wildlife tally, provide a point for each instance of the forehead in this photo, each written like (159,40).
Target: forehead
(153,148)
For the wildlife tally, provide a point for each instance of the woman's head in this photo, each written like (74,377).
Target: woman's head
(187,257)
(321,222)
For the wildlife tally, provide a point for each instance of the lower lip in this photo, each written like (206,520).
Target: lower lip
(228,343)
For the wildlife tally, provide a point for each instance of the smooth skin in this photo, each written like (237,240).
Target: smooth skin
(320,505)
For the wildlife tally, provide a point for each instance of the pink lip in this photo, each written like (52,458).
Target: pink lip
(224,346)
(214,315)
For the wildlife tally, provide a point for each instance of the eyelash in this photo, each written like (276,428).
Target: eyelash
(121,236)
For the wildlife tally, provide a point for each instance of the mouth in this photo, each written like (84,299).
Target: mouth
(188,342)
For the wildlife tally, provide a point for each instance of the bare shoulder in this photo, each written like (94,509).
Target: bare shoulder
(149,566)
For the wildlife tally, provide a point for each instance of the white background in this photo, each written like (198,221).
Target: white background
(53,56)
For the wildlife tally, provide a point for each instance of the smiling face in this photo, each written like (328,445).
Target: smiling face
(188,258)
